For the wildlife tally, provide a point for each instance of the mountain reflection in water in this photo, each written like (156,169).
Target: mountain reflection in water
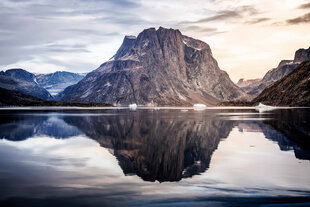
(219,157)
(161,145)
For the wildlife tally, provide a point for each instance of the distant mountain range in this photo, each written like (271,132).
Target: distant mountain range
(56,82)
(24,82)
(255,86)
(158,67)
(42,86)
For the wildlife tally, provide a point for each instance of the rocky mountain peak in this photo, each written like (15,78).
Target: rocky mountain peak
(244,83)
(159,67)
(241,81)
(284,62)
(302,55)
(130,37)
(159,42)
(127,44)
(19,74)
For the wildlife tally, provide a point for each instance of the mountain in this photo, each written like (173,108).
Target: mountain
(56,82)
(159,67)
(292,90)
(302,55)
(248,85)
(42,86)
(273,75)
(24,82)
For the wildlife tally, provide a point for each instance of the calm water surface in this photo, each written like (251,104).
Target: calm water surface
(218,157)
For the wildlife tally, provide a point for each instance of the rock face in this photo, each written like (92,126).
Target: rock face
(56,82)
(292,90)
(302,55)
(273,75)
(24,82)
(159,67)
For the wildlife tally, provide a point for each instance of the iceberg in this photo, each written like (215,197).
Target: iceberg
(133,106)
(262,108)
(199,106)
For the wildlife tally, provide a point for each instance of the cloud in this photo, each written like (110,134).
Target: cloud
(117,3)
(220,16)
(304,6)
(79,35)
(91,32)
(299,20)
(224,15)
(31,30)
(76,48)
(201,30)
(257,20)
(124,19)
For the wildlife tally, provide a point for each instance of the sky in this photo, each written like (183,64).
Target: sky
(247,37)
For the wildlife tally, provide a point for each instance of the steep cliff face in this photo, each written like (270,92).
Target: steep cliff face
(302,55)
(292,90)
(275,74)
(159,67)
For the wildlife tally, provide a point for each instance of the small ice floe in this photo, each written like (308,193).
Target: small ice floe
(262,108)
(132,106)
(199,106)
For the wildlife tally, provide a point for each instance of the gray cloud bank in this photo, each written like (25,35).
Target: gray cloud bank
(54,32)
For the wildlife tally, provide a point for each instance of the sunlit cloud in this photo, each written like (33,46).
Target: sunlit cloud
(302,19)
(257,20)
(304,6)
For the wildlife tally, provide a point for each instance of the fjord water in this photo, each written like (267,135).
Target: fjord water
(148,157)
